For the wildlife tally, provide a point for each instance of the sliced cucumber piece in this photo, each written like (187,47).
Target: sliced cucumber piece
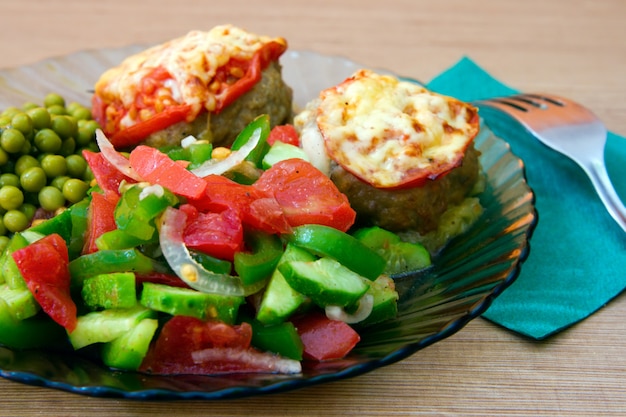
(114,290)
(279,299)
(325,281)
(281,151)
(127,351)
(385,301)
(20,302)
(106,325)
(188,302)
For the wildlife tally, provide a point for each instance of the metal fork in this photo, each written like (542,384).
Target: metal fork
(568,128)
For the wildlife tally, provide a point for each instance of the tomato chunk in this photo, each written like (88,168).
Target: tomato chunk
(216,234)
(181,336)
(157,168)
(108,177)
(44,265)
(100,219)
(325,339)
(306,195)
(256,208)
(284,133)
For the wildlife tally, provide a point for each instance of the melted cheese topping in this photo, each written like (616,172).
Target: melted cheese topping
(390,132)
(190,63)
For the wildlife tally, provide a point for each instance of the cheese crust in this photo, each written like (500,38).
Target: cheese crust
(182,71)
(392,133)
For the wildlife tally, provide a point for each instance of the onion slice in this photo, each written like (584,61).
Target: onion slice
(183,265)
(247,360)
(218,167)
(114,157)
(366,304)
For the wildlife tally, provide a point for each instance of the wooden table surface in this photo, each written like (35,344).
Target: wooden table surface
(576,48)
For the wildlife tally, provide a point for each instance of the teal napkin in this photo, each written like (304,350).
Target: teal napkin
(577,260)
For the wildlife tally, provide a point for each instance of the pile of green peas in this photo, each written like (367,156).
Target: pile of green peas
(42,169)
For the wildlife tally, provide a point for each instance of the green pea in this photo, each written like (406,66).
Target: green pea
(11,111)
(64,126)
(15,221)
(76,166)
(47,140)
(58,182)
(29,105)
(11,197)
(68,147)
(23,123)
(74,190)
(81,113)
(51,198)
(4,157)
(12,140)
(4,240)
(29,210)
(57,110)
(53,99)
(5,121)
(9,178)
(54,165)
(40,117)
(87,133)
(33,179)
(24,162)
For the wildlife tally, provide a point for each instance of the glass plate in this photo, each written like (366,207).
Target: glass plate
(466,276)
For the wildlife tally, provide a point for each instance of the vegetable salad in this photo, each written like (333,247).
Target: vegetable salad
(194,260)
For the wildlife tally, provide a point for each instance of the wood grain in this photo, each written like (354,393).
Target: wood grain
(574,48)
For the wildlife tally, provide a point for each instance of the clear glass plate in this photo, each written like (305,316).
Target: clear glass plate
(467,275)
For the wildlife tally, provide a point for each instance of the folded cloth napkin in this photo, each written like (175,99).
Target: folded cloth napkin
(577,259)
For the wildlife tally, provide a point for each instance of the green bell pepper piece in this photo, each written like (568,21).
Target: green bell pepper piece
(36,332)
(282,339)
(344,248)
(135,213)
(108,261)
(260,263)
(256,156)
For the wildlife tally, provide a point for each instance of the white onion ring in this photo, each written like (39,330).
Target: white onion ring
(366,304)
(114,157)
(182,263)
(218,167)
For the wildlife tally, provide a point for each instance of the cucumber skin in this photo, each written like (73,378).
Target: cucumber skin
(280,300)
(188,302)
(114,290)
(106,325)
(128,351)
(325,281)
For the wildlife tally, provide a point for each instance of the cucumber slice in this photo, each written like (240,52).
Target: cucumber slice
(281,151)
(127,351)
(385,301)
(20,302)
(188,302)
(106,325)
(114,290)
(325,281)
(279,299)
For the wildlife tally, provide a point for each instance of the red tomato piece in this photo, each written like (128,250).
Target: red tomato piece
(44,265)
(323,338)
(284,133)
(108,177)
(159,278)
(157,168)
(256,208)
(138,132)
(100,219)
(306,195)
(181,336)
(216,234)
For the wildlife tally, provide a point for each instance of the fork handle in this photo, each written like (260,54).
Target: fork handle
(602,183)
